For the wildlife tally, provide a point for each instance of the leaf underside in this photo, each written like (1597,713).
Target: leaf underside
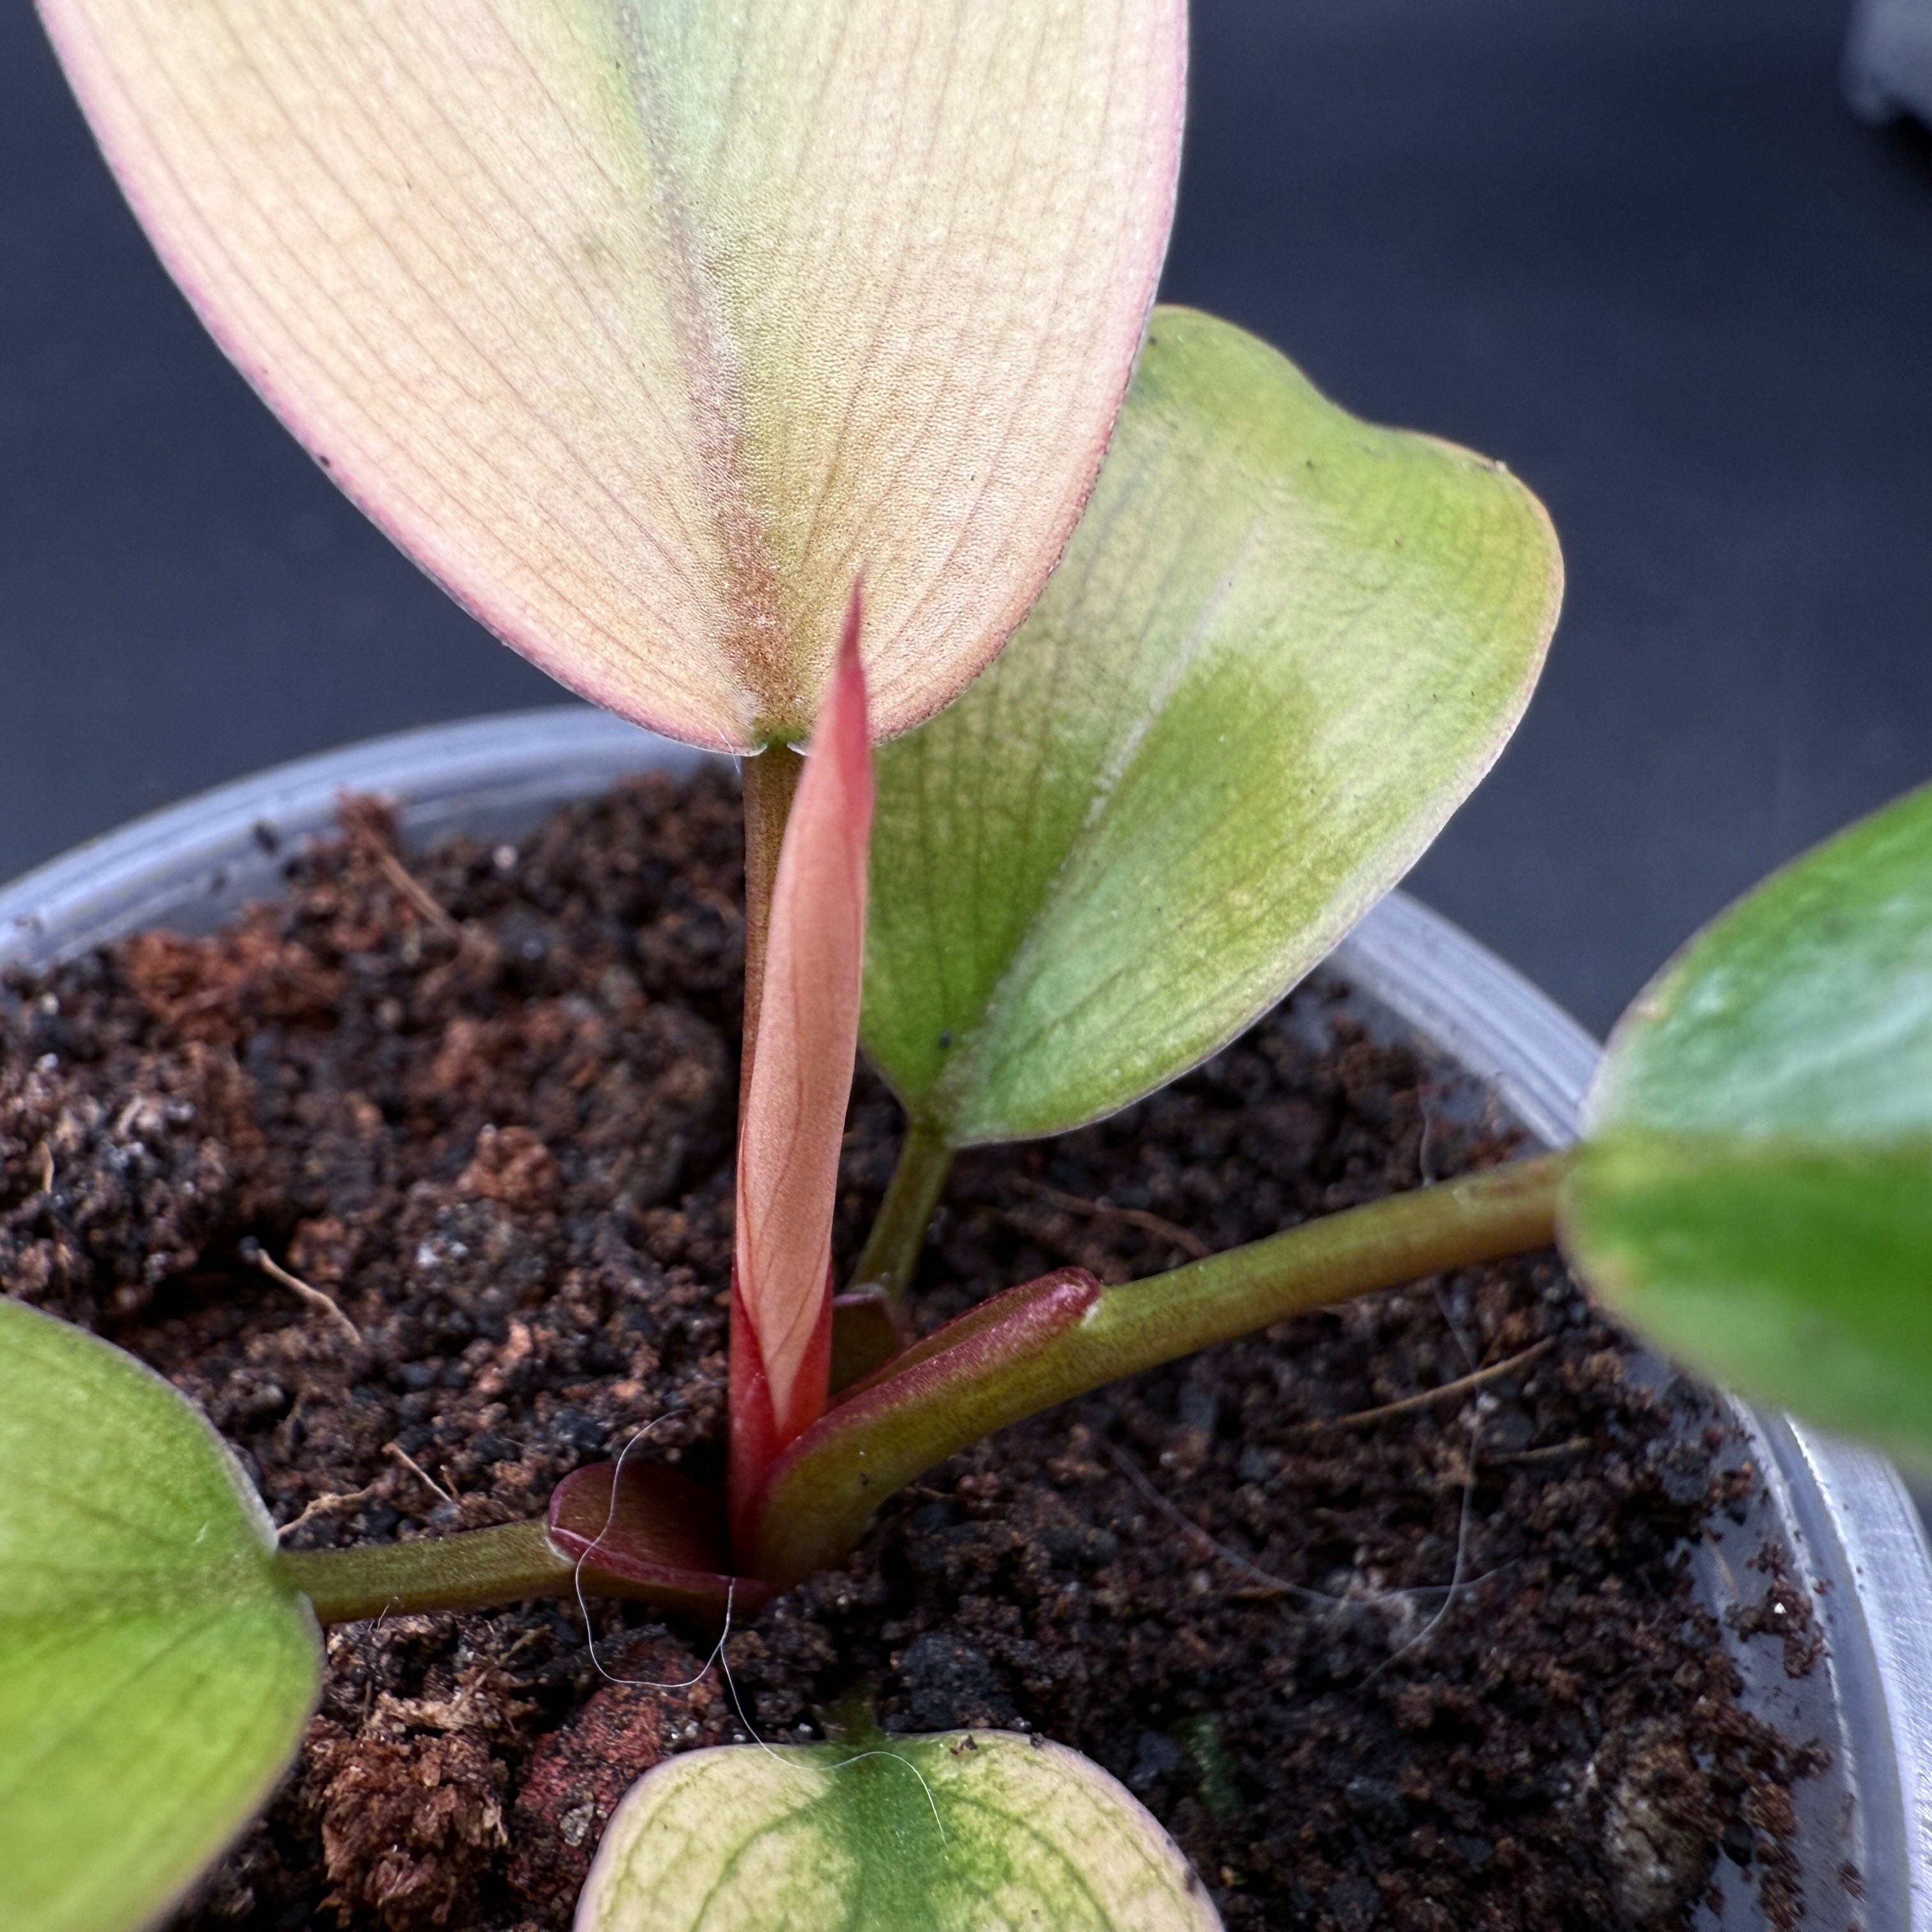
(1281,648)
(645,325)
(965,1831)
(1755,1190)
(154,1677)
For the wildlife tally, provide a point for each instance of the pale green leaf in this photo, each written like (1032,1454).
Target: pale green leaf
(1755,1191)
(1282,648)
(647,325)
(155,1676)
(965,1831)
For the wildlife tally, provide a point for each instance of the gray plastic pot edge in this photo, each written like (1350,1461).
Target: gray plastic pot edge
(192,865)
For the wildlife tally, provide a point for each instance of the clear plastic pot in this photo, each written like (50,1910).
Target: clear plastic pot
(1854,1537)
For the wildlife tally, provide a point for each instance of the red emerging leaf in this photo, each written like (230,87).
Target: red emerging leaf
(794,1112)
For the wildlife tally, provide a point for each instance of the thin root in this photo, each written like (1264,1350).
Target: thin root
(1190,1245)
(417,1470)
(1410,1403)
(323,1304)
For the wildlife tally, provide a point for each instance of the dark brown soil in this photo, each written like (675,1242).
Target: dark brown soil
(1438,1668)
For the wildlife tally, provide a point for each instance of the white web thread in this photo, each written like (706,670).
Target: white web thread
(1428,1629)
(1424,1166)
(717,1656)
(1326,1598)
(857,1757)
(591,1549)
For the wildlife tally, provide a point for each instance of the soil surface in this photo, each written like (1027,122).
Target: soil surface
(1374,1660)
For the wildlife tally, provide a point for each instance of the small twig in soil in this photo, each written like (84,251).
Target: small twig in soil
(416,1469)
(44,1163)
(1190,1245)
(258,1256)
(1548,1453)
(727,909)
(530,1638)
(419,895)
(323,1505)
(1410,1403)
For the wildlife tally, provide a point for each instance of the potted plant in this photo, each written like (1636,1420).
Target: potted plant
(474,269)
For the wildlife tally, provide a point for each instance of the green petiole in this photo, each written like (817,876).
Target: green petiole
(823,1492)
(891,1256)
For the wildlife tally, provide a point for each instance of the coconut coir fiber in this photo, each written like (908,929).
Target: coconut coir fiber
(1438,1669)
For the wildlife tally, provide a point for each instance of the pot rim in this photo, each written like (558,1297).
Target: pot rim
(194,863)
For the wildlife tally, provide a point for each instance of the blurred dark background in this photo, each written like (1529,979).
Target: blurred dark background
(1638,249)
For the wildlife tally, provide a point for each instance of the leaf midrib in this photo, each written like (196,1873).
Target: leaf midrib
(702,344)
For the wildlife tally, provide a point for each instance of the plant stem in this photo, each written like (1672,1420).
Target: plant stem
(470,1570)
(824,1492)
(1478,1217)
(771,782)
(892,1253)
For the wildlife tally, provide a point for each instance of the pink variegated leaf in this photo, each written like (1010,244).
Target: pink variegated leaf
(793,1116)
(637,322)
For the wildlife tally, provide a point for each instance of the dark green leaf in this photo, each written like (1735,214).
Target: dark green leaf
(1756,1189)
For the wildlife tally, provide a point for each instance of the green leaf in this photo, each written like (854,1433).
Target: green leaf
(1755,1190)
(965,1831)
(154,1674)
(647,326)
(1282,647)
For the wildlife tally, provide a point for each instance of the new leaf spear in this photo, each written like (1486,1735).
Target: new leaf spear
(801,1034)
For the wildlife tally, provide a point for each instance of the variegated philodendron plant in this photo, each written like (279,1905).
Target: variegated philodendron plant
(786,373)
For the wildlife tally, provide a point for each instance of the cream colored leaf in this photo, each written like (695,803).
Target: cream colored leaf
(647,325)
(965,1832)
